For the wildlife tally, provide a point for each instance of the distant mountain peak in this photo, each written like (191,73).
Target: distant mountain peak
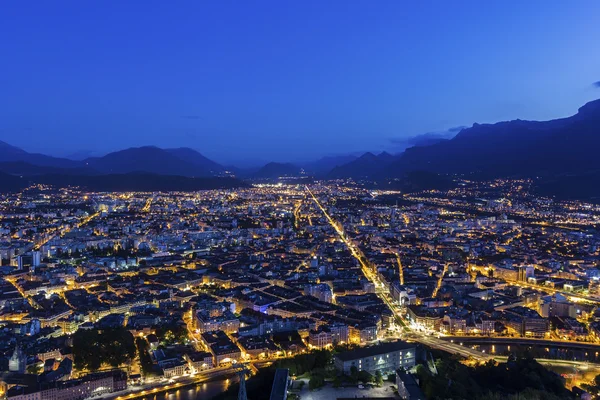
(385,157)
(367,155)
(590,109)
(152,159)
(9,147)
(367,165)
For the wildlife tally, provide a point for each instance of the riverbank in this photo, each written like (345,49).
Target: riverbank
(211,383)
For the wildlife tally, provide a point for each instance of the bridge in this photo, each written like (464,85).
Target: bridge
(566,344)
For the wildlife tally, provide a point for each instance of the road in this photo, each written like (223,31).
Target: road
(156,387)
(570,295)
(62,231)
(148,204)
(384,294)
(526,341)
(429,340)
(400,269)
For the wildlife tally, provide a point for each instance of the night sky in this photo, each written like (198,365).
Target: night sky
(285,80)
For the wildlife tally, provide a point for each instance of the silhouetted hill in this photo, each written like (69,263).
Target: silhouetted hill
(324,165)
(9,153)
(23,168)
(147,159)
(275,170)
(181,161)
(570,187)
(416,181)
(368,165)
(519,148)
(143,182)
(11,183)
(194,157)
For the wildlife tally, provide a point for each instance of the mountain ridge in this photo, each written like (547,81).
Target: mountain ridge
(367,165)
(181,161)
(517,148)
(513,148)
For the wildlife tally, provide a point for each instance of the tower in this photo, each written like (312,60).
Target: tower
(18,361)
(241,372)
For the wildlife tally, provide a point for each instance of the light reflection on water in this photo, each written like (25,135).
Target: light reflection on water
(202,391)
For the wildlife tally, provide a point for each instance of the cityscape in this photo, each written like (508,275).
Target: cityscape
(316,200)
(197,285)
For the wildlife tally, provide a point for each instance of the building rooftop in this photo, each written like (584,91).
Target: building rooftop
(375,350)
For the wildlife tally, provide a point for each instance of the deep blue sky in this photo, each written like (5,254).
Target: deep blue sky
(278,80)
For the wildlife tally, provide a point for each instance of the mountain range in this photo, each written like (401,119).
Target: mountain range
(180,161)
(145,168)
(551,150)
(514,148)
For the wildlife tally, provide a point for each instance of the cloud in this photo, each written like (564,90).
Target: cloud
(596,84)
(190,117)
(425,139)
(456,129)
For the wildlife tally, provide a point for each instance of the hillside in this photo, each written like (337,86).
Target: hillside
(275,170)
(182,161)
(205,165)
(513,148)
(142,182)
(368,165)
(9,153)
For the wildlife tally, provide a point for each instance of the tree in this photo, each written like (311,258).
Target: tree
(85,351)
(378,378)
(145,359)
(316,381)
(35,369)
(337,382)
(92,348)
(519,378)
(303,363)
(354,372)
(172,333)
(365,377)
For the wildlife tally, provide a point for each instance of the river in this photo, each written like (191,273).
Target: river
(202,391)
